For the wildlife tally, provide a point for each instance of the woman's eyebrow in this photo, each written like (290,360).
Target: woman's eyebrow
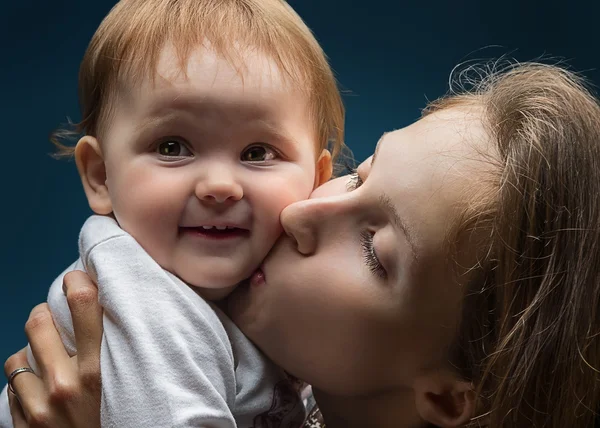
(387,206)
(377,148)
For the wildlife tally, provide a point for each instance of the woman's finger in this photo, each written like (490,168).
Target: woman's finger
(46,344)
(86,312)
(20,380)
(16,412)
(28,403)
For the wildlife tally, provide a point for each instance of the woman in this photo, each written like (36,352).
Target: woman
(454,280)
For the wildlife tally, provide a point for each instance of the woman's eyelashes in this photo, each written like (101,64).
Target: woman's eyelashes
(366,237)
(369,255)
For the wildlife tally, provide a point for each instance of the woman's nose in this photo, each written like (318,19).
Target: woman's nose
(298,222)
(219,185)
(307,221)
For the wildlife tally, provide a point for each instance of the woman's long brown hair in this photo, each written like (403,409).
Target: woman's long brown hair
(530,332)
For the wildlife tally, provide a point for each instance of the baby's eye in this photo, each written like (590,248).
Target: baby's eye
(258,153)
(173,148)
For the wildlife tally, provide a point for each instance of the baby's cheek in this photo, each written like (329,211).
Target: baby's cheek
(274,197)
(294,188)
(144,208)
(150,212)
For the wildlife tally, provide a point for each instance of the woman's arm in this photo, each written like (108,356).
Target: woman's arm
(67,391)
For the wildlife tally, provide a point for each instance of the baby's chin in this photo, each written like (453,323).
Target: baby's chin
(215,294)
(213,286)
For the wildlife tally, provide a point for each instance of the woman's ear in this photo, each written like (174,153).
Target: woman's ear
(444,400)
(324,168)
(90,164)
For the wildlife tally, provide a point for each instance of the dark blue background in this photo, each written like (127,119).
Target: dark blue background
(390,56)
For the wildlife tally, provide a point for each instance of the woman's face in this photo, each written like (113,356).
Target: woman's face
(361,294)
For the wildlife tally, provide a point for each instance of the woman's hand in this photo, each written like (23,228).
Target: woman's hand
(67,391)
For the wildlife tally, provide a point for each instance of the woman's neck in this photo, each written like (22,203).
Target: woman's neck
(394,409)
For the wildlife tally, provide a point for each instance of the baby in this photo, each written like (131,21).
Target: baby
(202,120)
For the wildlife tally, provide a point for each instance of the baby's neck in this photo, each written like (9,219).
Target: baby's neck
(394,409)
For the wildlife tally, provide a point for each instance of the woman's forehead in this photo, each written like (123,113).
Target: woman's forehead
(430,168)
(439,139)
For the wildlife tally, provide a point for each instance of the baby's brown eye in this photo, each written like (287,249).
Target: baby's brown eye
(172,148)
(258,154)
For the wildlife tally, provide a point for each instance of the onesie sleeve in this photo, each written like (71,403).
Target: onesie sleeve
(166,360)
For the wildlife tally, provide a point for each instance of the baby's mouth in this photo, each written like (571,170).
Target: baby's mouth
(216,232)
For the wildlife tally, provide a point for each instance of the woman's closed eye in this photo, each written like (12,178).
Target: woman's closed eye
(366,237)
(370,256)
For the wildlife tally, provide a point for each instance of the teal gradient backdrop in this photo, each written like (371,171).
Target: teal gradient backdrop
(390,56)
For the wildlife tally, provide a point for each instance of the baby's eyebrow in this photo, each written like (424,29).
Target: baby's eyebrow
(276,131)
(156,119)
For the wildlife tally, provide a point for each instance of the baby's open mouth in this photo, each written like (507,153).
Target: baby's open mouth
(216,232)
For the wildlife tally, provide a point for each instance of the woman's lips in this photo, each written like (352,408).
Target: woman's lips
(257,278)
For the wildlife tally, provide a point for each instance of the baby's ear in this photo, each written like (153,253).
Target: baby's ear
(324,168)
(444,400)
(90,164)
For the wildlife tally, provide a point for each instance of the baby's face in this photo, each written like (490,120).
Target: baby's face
(199,168)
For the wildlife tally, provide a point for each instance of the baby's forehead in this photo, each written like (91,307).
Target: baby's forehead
(202,66)
(183,82)
(245,60)
(172,66)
